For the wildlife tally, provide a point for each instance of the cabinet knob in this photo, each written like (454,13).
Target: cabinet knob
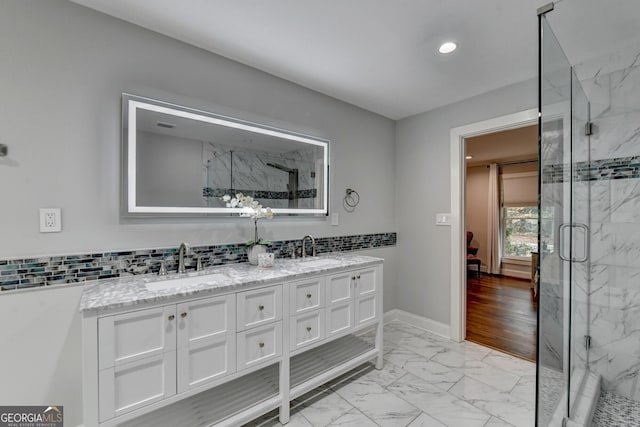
(261,307)
(308,295)
(171,317)
(261,344)
(183,315)
(308,328)
(358,276)
(353,277)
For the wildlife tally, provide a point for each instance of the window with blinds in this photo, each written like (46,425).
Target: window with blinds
(519,225)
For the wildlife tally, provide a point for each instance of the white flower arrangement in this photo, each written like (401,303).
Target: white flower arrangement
(251,209)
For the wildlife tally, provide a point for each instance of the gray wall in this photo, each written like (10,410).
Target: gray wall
(423,189)
(63,70)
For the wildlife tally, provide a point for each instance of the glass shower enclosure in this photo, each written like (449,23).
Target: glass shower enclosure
(589,263)
(564,234)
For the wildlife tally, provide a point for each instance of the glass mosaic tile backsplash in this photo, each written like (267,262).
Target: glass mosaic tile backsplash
(48,271)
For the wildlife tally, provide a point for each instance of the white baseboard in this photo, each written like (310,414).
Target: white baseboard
(428,325)
(516,273)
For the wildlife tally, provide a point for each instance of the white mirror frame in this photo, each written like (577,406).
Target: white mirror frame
(132,103)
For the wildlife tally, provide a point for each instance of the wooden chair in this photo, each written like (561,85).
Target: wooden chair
(472,259)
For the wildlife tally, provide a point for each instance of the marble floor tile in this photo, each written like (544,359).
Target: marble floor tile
(469,349)
(378,403)
(272,420)
(396,325)
(321,407)
(483,372)
(434,373)
(421,346)
(498,403)
(401,356)
(353,418)
(426,381)
(510,364)
(369,374)
(525,389)
(445,407)
(425,420)
(497,422)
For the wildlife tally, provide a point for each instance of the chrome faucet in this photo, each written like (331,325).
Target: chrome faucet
(313,245)
(182,251)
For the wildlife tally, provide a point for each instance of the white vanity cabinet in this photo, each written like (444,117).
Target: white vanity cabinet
(232,357)
(352,298)
(137,360)
(145,356)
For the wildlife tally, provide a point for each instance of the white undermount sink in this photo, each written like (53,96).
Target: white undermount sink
(185,281)
(322,262)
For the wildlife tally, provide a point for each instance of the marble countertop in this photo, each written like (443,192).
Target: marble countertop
(132,290)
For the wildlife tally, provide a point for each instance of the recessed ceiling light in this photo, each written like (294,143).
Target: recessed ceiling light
(468,157)
(447,47)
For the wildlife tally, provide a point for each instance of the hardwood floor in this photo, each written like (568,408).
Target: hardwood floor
(501,314)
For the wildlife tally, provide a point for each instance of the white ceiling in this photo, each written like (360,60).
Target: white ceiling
(381,55)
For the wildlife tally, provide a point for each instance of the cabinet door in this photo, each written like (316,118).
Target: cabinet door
(206,340)
(365,282)
(340,288)
(340,303)
(127,337)
(129,386)
(366,287)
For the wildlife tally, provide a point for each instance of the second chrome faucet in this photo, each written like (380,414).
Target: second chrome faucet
(182,251)
(313,245)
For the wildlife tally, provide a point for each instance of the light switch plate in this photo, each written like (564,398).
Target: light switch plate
(443,219)
(50,220)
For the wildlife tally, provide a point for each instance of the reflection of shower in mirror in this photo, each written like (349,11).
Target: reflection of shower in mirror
(292,186)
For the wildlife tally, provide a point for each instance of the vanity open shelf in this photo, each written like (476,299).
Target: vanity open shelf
(223,353)
(258,389)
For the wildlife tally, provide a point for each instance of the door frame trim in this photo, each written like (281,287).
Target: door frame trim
(458,295)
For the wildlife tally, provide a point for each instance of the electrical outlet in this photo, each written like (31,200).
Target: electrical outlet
(50,220)
(335,219)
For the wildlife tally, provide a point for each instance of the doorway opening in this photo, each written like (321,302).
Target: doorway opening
(501,236)
(458,273)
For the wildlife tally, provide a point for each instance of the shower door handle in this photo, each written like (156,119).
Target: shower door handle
(579,233)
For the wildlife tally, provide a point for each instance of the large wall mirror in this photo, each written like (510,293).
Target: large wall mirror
(181,161)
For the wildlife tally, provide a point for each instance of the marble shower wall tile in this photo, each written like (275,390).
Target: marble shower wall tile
(616,134)
(625,201)
(612,84)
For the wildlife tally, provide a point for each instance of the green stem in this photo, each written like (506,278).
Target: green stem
(255,231)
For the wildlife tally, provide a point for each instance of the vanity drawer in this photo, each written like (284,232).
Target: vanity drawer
(307,295)
(259,307)
(306,329)
(259,345)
